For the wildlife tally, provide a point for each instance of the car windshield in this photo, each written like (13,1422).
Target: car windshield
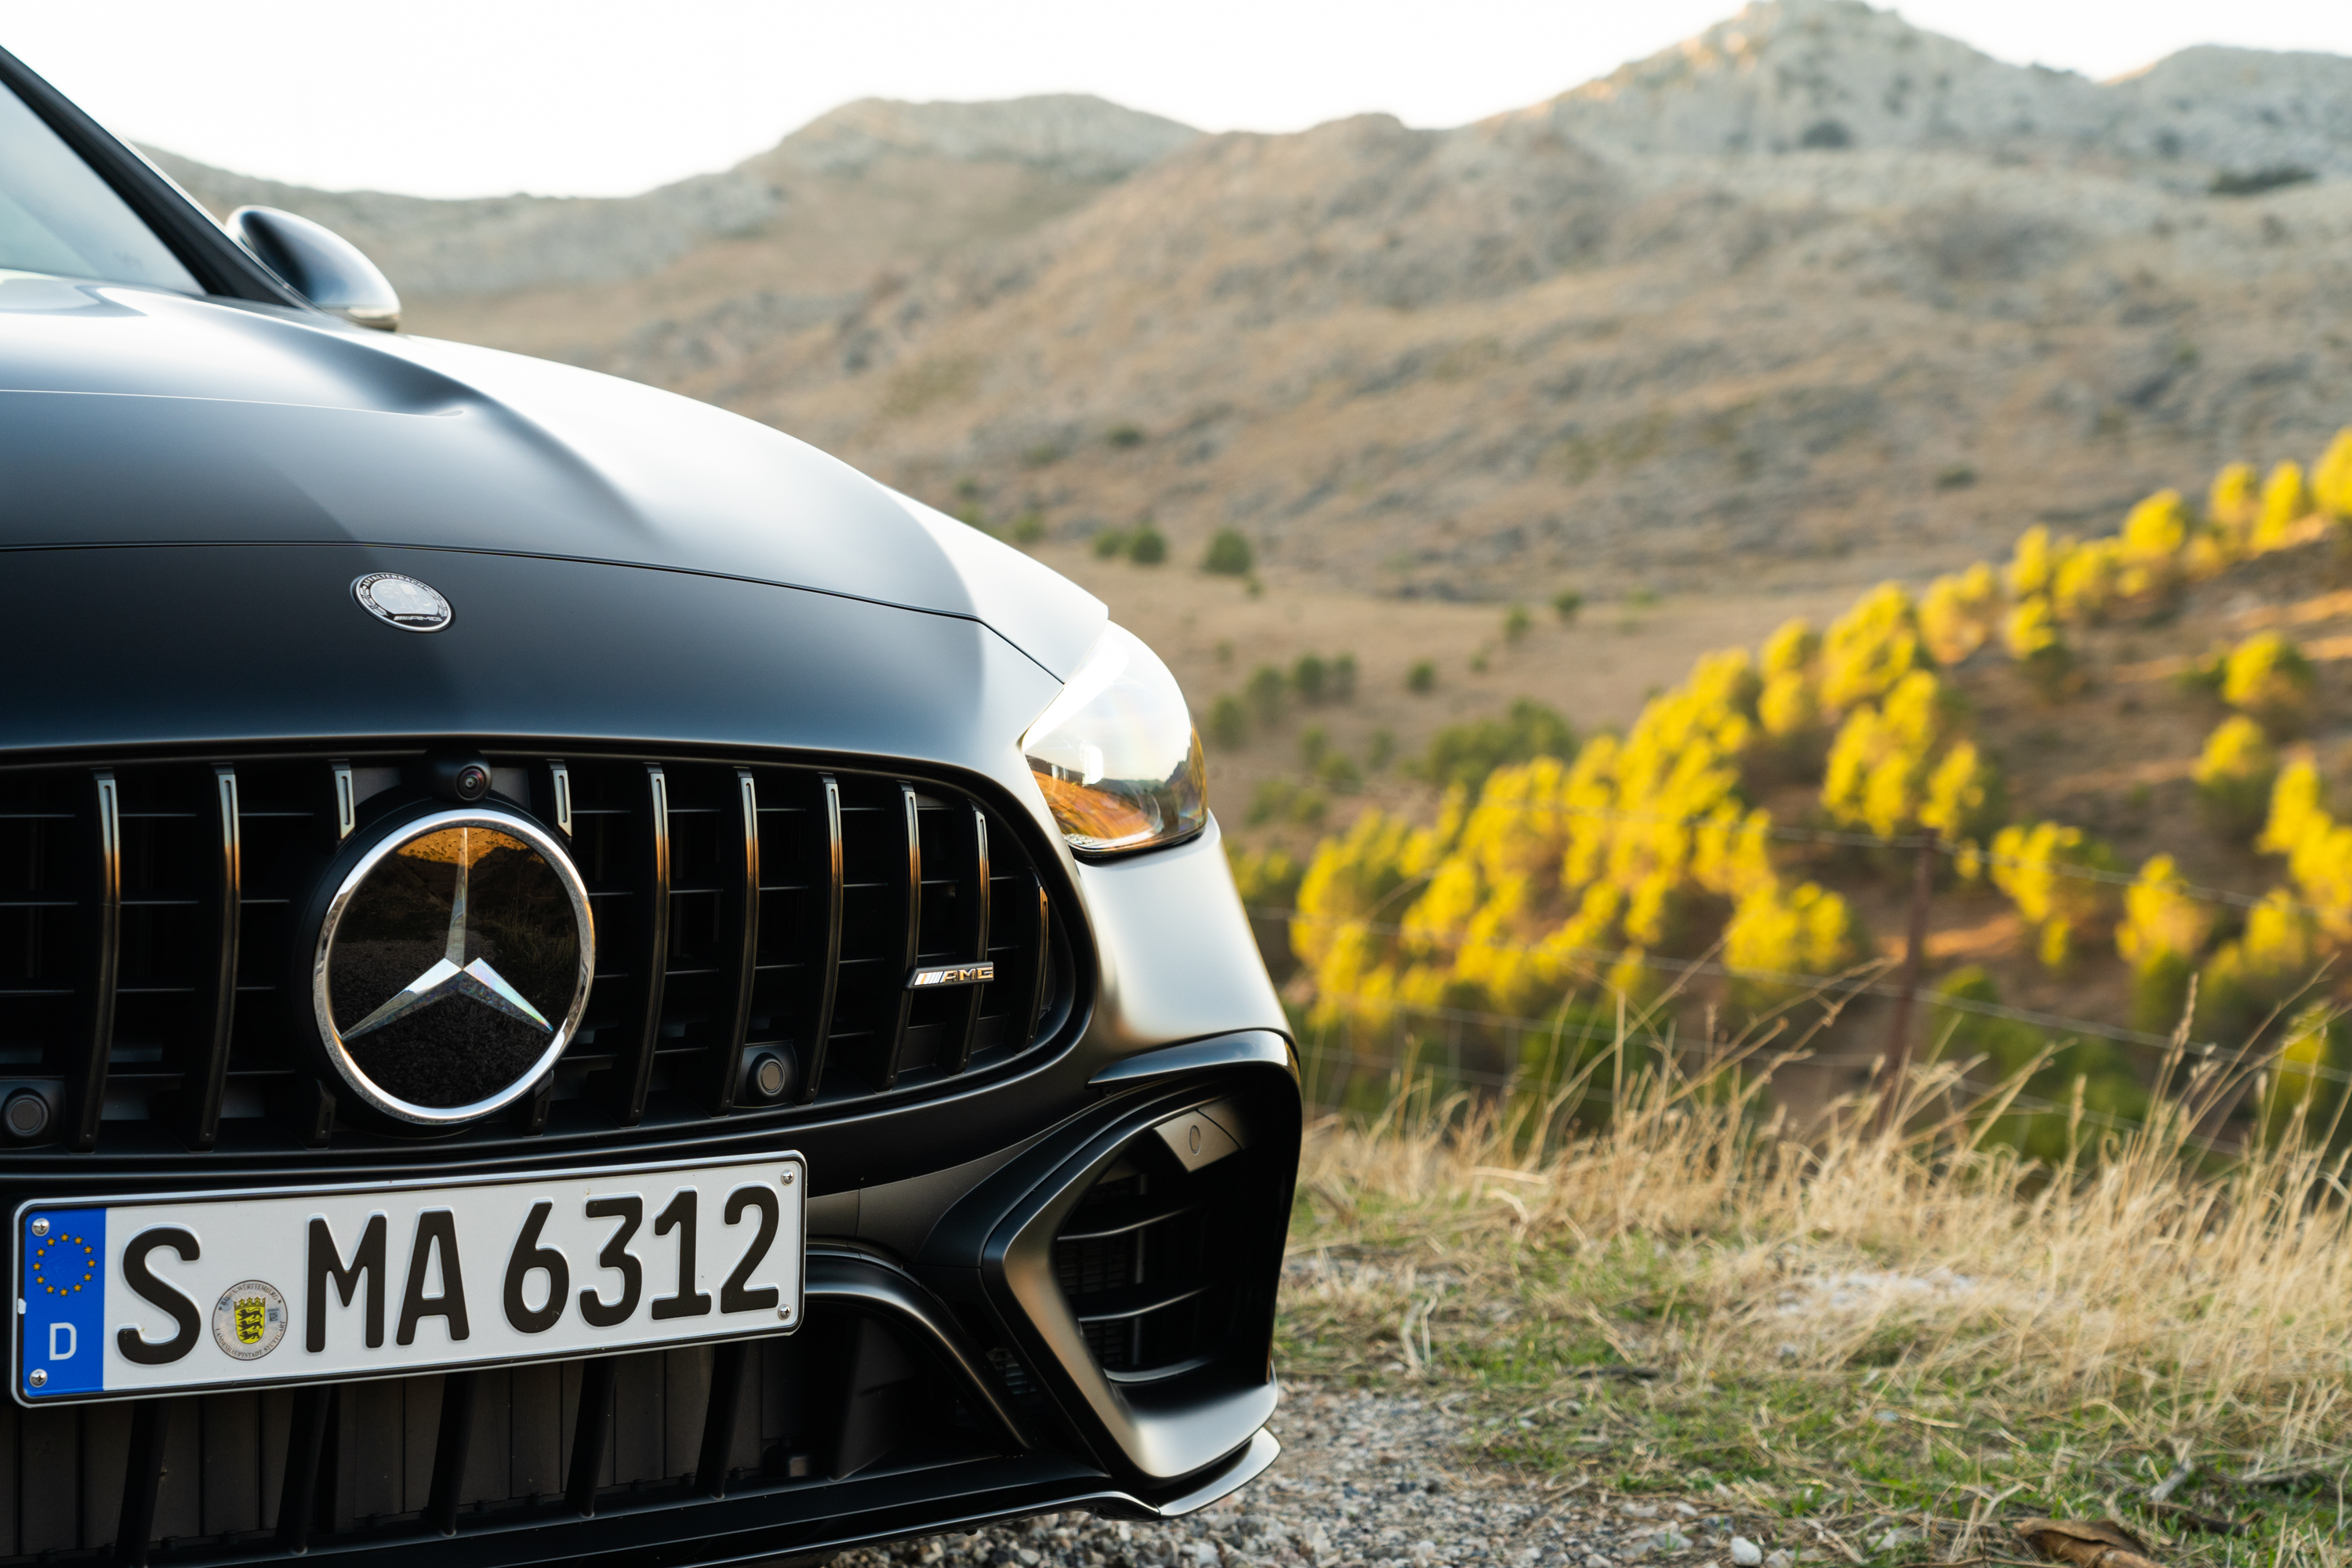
(57,216)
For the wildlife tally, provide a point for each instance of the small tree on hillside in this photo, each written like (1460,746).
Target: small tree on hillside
(1229,555)
(2268,679)
(2041,652)
(2234,777)
(2285,503)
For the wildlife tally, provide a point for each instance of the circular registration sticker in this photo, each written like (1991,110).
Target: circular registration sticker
(249,1319)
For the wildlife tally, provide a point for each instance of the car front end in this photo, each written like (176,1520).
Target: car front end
(577,980)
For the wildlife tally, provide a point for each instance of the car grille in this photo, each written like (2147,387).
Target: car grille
(151,980)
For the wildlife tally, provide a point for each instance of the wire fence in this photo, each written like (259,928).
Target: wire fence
(1864,982)
(1404,1064)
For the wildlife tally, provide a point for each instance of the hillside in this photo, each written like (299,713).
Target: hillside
(1814,298)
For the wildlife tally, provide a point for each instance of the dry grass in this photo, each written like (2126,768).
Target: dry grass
(1857,1333)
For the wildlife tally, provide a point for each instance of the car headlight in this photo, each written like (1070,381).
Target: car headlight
(1116,754)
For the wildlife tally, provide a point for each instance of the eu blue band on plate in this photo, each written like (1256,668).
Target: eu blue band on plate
(62,1287)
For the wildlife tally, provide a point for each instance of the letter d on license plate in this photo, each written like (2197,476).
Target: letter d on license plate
(241,1289)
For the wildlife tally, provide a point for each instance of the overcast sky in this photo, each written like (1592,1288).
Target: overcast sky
(589,97)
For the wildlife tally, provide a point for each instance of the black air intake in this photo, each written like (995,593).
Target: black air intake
(1139,1260)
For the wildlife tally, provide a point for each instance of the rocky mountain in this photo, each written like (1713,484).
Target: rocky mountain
(1816,296)
(1050,151)
(1835,74)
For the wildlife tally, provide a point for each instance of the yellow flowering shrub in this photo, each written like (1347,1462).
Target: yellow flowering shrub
(2033,564)
(1269,879)
(2267,678)
(1903,765)
(2089,577)
(2277,958)
(1801,930)
(1869,649)
(2235,777)
(1959,613)
(2034,641)
(2155,537)
(2234,504)
(2331,479)
(2031,865)
(2285,502)
(2162,934)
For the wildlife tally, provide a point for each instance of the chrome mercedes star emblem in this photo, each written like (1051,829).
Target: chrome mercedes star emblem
(477,907)
(452,975)
(402,601)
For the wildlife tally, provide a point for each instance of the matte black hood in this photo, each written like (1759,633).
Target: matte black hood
(132,417)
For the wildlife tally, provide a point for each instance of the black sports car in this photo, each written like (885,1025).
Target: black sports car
(577,980)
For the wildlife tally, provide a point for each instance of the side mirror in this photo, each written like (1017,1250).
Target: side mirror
(320,263)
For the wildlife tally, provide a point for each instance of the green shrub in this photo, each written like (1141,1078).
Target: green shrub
(1314,747)
(1028,528)
(1229,722)
(1423,677)
(1566,603)
(2110,1088)
(1340,773)
(1342,677)
(1124,436)
(1516,621)
(1108,544)
(1279,800)
(1310,678)
(1268,693)
(1466,753)
(1229,555)
(1147,546)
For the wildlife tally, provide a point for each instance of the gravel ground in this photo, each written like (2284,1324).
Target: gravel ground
(1364,1481)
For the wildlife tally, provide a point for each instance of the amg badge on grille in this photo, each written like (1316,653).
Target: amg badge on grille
(403,602)
(952,974)
(452,965)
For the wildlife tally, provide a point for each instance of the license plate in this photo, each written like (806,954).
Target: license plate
(242,1290)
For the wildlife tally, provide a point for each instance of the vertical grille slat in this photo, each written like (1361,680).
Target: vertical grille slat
(591,1434)
(815,1030)
(306,1444)
(743,940)
(86,1079)
(452,1444)
(966,1031)
(142,1474)
(205,1072)
(900,1007)
(632,1075)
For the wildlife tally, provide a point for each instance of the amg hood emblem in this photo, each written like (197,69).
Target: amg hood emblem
(405,602)
(452,965)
